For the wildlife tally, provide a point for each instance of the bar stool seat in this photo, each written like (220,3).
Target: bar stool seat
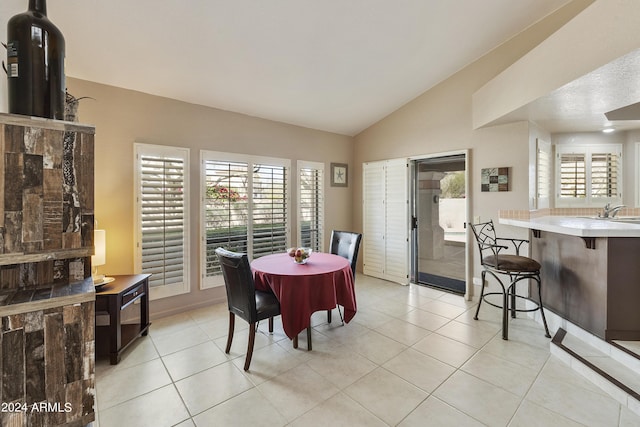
(514,267)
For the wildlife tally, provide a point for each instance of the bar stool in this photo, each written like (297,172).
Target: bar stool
(515,267)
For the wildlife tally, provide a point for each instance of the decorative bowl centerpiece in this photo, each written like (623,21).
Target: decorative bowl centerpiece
(300,255)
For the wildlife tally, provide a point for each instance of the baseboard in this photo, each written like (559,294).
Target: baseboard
(183,308)
(477,281)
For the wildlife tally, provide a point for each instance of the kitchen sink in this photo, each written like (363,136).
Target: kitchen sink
(626,219)
(631,220)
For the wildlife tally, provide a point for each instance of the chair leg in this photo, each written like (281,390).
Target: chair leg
(513,297)
(309,338)
(271,324)
(232,323)
(544,319)
(505,314)
(339,312)
(252,339)
(483,276)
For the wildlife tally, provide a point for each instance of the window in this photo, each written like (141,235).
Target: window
(245,208)
(588,175)
(311,205)
(162,238)
(543,173)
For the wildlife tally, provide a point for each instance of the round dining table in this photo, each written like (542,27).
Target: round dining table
(325,281)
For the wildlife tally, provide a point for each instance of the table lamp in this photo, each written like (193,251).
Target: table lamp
(100,257)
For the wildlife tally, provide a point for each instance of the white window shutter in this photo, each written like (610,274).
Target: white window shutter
(162,195)
(245,208)
(386,220)
(311,205)
(374,219)
(269,210)
(397,227)
(226,213)
(589,175)
(543,174)
(573,175)
(604,175)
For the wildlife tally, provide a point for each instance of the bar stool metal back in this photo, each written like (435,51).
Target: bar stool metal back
(501,266)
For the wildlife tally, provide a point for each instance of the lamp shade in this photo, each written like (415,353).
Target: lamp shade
(100,245)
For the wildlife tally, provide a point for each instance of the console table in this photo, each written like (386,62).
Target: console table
(111,299)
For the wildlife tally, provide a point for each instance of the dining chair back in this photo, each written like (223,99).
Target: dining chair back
(243,299)
(347,245)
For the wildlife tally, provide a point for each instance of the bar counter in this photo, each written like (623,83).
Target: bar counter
(590,271)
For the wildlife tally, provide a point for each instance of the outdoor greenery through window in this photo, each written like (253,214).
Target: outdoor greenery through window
(453,185)
(162,223)
(311,204)
(589,175)
(245,208)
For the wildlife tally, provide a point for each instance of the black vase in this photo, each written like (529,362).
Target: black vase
(35,64)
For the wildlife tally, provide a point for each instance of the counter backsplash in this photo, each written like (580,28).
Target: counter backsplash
(537,213)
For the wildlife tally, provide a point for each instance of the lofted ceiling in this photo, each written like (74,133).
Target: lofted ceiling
(334,65)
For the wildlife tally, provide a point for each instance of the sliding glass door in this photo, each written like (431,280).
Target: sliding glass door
(438,229)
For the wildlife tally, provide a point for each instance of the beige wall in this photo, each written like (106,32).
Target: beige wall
(123,117)
(440,120)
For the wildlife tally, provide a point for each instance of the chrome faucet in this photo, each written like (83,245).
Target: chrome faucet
(610,212)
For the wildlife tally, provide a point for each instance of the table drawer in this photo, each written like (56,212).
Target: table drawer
(133,294)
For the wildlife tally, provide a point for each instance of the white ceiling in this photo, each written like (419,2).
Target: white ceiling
(334,65)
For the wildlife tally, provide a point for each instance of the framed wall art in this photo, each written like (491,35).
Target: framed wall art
(339,174)
(495,179)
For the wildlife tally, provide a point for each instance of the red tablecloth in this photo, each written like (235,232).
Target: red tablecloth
(302,289)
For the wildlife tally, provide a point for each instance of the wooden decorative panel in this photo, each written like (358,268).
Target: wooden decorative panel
(48,357)
(47,347)
(47,191)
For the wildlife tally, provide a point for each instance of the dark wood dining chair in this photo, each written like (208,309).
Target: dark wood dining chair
(347,245)
(244,300)
(498,264)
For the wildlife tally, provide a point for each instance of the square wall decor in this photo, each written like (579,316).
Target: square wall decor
(495,179)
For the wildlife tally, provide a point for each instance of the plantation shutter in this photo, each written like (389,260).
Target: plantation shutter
(226,211)
(245,208)
(589,175)
(374,219)
(604,175)
(573,175)
(311,203)
(543,174)
(163,232)
(269,209)
(386,220)
(397,222)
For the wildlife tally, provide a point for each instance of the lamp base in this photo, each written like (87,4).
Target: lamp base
(97,282)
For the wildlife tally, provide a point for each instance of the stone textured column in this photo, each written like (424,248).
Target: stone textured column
(47,345)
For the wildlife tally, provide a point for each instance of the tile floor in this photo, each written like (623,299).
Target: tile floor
(412,356)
